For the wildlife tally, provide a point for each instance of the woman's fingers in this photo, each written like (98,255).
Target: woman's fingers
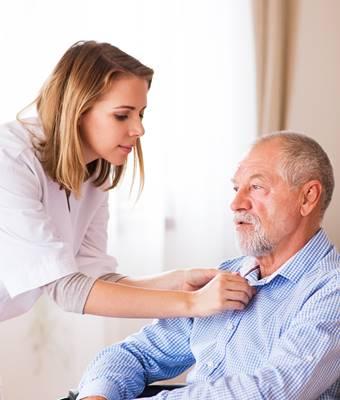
(226,291)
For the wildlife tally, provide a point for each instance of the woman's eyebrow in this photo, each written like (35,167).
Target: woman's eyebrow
(123,106)
(129,107)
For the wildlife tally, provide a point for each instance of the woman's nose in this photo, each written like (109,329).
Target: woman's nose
(137,129)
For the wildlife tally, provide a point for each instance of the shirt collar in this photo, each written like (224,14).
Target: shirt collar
(306,258)
(250,263)
(302,261)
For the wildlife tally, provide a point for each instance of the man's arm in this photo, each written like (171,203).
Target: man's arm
(304,364)
(159,351)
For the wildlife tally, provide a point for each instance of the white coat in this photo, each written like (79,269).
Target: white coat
(41,240)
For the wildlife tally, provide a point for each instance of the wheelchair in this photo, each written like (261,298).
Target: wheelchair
(149,391)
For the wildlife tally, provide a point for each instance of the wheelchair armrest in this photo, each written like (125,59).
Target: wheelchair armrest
(150,390)
(72,395)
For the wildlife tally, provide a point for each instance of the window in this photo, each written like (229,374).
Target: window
(200,117)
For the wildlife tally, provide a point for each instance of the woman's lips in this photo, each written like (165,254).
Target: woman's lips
(126,149)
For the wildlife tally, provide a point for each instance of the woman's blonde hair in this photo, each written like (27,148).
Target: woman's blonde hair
(83,74)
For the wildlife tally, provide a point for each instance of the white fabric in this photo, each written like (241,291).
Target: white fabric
(40,239)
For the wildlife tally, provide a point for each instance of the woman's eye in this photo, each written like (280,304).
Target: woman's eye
(141,116)
(120,117)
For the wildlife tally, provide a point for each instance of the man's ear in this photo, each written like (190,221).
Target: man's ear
(310,196)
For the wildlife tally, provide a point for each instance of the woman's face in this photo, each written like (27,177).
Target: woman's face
(110,129)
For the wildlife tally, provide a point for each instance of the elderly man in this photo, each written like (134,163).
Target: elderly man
(286,343)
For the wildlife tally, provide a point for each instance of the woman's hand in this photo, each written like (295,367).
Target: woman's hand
(186,293)
(188,280)
(194,279)
(226,291)
(212,290)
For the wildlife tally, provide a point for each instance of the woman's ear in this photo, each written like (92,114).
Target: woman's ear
(311,194)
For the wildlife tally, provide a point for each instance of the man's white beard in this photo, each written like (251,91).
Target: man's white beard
(254,243)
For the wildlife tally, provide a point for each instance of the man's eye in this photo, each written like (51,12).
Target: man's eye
(256,187)
(141,116)
(120,117)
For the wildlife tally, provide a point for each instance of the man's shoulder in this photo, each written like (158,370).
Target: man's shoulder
(322,283)
(234,264)
(331,261)
(327,269)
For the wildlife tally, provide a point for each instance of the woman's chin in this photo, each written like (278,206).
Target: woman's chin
(114,162)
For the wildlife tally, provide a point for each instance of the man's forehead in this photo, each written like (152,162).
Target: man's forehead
(260,176)
(251,171)
(258,163)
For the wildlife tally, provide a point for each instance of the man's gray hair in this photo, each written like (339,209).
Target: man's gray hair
(303,159)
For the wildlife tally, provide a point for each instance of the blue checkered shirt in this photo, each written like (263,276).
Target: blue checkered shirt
(284,345)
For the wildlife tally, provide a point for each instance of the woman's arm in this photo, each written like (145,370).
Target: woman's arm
(225,291)
(151,297)
(190,279)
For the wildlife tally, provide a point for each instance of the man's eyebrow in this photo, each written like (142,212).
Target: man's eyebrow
(260,176)
(255,176)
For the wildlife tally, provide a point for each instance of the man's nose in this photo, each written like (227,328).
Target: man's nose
(241,201)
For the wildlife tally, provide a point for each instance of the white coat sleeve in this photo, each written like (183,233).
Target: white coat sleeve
(92,258)
(32,253)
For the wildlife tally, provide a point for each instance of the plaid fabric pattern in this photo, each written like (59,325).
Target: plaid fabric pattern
(284,346)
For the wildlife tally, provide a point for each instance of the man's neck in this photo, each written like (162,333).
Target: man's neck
(286,249)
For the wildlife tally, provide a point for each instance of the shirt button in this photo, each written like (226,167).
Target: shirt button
(309,358)
(209,364)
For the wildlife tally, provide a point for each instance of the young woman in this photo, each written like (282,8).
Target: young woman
(55,173)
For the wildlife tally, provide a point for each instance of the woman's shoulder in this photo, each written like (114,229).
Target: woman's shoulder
(16,137)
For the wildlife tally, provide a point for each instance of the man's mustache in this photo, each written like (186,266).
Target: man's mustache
(244,216)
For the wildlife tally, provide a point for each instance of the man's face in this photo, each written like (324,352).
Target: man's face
(265,207)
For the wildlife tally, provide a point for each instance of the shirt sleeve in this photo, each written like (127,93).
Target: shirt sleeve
(72,291)
(31,251)
(159,351)
(92,258)
(304,364)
